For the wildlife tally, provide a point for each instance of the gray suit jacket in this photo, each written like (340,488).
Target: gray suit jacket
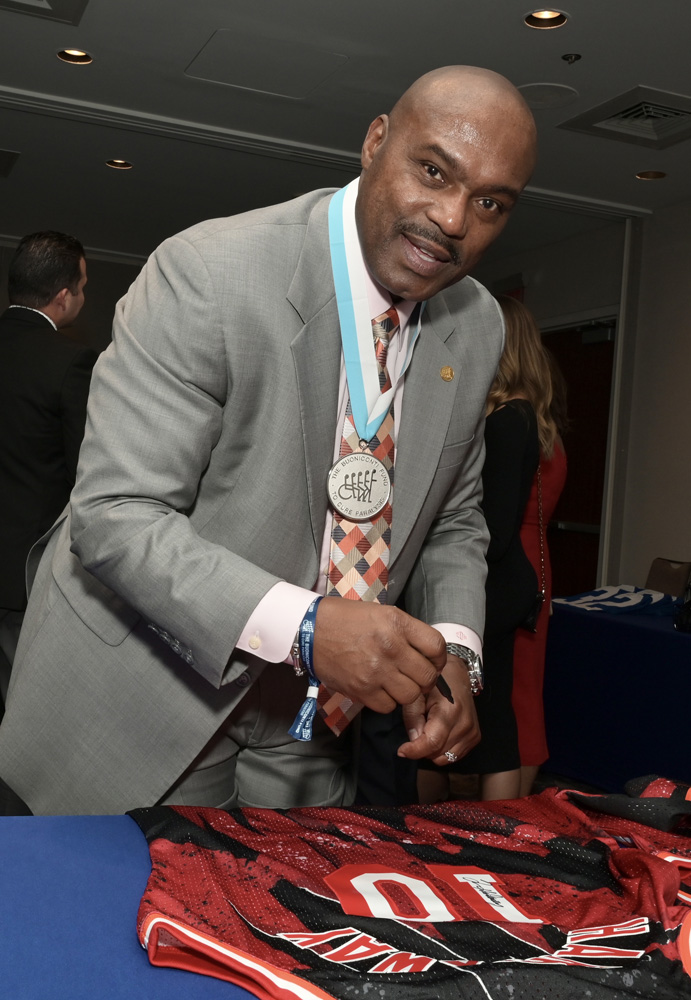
(201,483)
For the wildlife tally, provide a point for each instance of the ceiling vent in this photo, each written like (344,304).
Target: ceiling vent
(7,161)
(644,116)
(67,11)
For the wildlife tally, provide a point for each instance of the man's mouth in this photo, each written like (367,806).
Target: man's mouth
(428,251)
(427,248)
(423,257)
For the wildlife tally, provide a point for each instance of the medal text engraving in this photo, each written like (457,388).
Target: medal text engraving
(359,486)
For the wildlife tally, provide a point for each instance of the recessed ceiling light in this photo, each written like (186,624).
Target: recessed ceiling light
(650,175)
(119,164)
(548,95)
(75,56)
(545,19)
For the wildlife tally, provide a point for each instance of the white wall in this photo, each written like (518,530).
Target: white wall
(651,510)
(657,511)
(579,276)
(568,283)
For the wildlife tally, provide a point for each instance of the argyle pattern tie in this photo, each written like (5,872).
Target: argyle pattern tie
(359,557)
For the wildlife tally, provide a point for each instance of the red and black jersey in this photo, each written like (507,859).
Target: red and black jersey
(558,896)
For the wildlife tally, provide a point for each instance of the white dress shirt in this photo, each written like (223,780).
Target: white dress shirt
(31,309)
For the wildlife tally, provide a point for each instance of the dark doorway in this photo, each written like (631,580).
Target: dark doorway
(585,354)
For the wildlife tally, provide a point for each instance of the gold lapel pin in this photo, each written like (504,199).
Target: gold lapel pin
(447,373)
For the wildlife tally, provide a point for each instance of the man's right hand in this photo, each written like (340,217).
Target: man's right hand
(375,654)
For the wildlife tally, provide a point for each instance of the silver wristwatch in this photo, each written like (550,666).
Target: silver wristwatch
(473,663)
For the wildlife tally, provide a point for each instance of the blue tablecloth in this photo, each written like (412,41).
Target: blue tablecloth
(617,697)
(70,889)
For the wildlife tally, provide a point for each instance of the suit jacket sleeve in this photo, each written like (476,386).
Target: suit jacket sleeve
(154,418)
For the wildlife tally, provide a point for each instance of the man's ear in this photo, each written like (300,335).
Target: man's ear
(60,300)
(376,134)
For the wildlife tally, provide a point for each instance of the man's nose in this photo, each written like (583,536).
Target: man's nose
(450,214)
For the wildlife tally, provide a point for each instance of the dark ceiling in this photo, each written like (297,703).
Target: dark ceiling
(223,106)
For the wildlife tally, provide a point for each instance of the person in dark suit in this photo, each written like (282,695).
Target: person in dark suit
(44,384)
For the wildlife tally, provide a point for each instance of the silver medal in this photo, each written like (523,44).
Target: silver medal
(359,486)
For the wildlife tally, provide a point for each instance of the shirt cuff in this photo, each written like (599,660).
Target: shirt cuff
(271,628)
(459,633)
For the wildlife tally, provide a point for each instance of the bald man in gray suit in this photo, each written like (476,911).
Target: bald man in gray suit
(148,669)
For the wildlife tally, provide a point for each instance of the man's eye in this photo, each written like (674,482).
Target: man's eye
(490,205)
(432,171)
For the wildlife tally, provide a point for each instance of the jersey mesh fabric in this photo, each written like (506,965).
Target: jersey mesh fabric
(555,897)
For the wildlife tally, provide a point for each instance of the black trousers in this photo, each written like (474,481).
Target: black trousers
(383,778)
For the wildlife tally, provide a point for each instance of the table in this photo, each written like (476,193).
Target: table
(617,697)
(71,887)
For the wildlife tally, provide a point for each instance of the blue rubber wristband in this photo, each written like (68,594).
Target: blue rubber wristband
(301,728)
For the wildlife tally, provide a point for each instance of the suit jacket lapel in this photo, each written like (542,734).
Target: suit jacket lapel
(317,357)
(427,406)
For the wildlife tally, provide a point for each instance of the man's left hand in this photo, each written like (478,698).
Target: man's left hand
(435,726)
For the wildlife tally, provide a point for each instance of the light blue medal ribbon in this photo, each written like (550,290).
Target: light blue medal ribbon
(368,403)
(301,728)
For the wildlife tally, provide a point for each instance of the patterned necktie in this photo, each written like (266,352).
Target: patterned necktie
(359,559)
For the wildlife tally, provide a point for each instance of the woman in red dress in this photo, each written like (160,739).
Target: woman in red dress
(518,429)
(530,647)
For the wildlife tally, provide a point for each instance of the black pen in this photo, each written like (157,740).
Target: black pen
(444,689)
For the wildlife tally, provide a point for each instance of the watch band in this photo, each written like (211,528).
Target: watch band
(473,663)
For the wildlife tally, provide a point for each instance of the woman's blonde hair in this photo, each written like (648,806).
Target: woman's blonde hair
(525,371)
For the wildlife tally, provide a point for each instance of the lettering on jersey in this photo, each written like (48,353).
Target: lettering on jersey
(483,893)
(308,939)
(562,960)
(638,925)
(596,951)
(361,947)
(361,890)
(574,949)
(404,961)
(364,891)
